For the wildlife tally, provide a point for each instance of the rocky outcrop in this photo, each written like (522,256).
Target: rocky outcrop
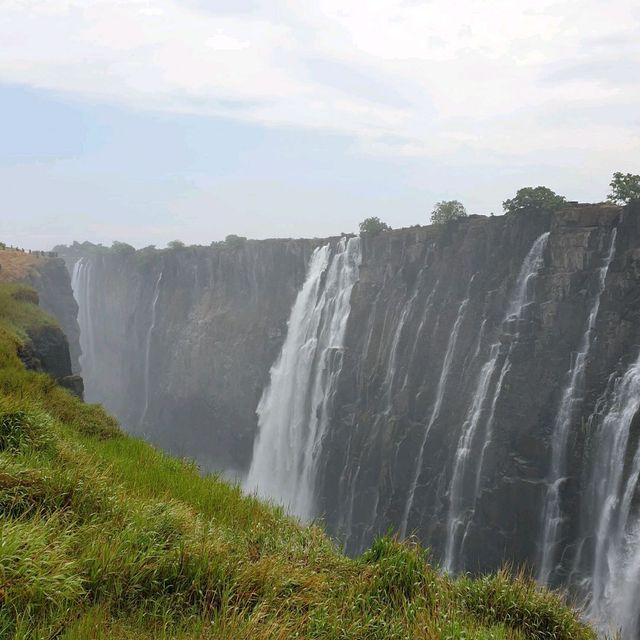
(47,351)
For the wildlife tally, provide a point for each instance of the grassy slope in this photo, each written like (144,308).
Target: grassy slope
(15,265)
(103,536)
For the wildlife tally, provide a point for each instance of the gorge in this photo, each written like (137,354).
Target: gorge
(476,385)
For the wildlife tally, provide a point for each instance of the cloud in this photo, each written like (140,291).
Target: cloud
(435,78)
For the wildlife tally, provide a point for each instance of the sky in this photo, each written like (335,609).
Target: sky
(147,121)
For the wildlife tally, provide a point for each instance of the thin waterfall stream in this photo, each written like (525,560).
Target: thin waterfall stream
(147,351)
(461,510)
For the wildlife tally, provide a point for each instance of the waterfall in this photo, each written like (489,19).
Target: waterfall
(614,581)
(147,349)
(459,516)
(295,408)
(552,517)
(435,412)
(82,292)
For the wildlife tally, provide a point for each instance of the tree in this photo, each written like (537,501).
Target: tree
(373,226)
(447,211)
(123,248)
(625,188)
(235,242)
(175,244)
(534,199)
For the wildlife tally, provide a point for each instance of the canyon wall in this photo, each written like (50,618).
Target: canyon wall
(481,391)
(177,344)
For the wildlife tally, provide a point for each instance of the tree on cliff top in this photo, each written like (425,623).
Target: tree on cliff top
(625,188)
(235,242)
(122,248)
(533,199)
(447,211)
(373,226)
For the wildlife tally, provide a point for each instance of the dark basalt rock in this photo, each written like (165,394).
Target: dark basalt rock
(73,383)
(47,351)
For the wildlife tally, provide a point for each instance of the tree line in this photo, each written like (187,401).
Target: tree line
(625,189)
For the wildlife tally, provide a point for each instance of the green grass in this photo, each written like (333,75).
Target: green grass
(103,536)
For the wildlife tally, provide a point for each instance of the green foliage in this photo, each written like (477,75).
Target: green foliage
(104,536)
(373,226)
(122,248)
(235,242)
(175,244)
(19,311)
(625,188)
(447,211)
(23,429)
(521,604)
(533,199)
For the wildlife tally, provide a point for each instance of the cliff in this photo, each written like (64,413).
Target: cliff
(471,395)
(403,312)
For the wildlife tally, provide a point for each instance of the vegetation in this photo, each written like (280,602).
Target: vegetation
(625,188)
(532,199)
(103,536)
(447,211)
(123,249)
(175,244)
(235,242)
(16,265)
(373,226)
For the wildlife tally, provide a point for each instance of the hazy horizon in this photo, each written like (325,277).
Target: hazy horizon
(145,123)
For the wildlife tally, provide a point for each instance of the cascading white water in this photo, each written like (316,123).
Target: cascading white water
(614,583)
(552,517)
(295,408)
(435,412)
(460,512)
(81,286)
(147,349)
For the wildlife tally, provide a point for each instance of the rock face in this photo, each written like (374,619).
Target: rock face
(480,364)
(47,349)
(403,312)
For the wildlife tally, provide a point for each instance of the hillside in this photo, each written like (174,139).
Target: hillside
(104,536)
